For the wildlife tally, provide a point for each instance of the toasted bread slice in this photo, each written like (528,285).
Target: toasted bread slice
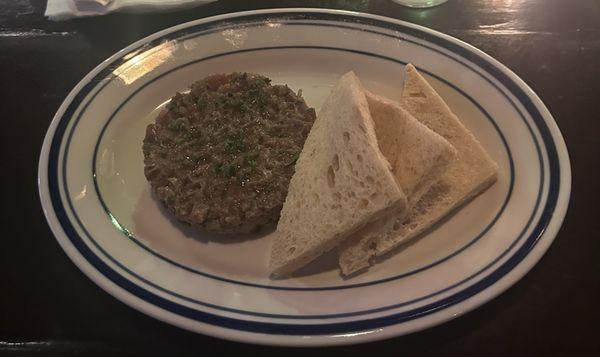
(470,174)
(417,154)
(418,157)
(342,181)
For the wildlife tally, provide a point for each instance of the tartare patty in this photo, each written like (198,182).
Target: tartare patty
(221,156)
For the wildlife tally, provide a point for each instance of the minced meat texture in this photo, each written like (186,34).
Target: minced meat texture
(221,156)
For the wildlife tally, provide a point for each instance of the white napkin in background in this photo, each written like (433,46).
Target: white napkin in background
(58,10)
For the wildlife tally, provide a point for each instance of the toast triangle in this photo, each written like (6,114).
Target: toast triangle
(342,181)
(469,175)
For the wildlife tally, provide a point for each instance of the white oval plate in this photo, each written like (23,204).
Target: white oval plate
(98,204)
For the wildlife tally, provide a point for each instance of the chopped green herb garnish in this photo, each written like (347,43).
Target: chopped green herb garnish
(177,124)
(261,82)
(257,93)
(251,161)
(240,106)
(295,158)
(235,144)
(229,170)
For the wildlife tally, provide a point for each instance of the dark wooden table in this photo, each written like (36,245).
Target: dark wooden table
(48,307)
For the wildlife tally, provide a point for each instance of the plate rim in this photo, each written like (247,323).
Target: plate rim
(480,297)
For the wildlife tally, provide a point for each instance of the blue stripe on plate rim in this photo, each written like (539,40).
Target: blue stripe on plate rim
(341,327)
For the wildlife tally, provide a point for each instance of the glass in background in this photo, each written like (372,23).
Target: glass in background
(420,3)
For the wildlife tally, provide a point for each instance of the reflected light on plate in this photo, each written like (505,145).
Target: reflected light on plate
(106,164)
(502,3)
(82,193)
(118,225)
(164,104)
(358,333)
(272,24)
(140,64)
(236,37)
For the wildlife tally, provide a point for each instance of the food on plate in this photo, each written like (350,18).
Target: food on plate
(469,175)
(418,156)
(221,156)
(342,181)
(364,176)
(435,163)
